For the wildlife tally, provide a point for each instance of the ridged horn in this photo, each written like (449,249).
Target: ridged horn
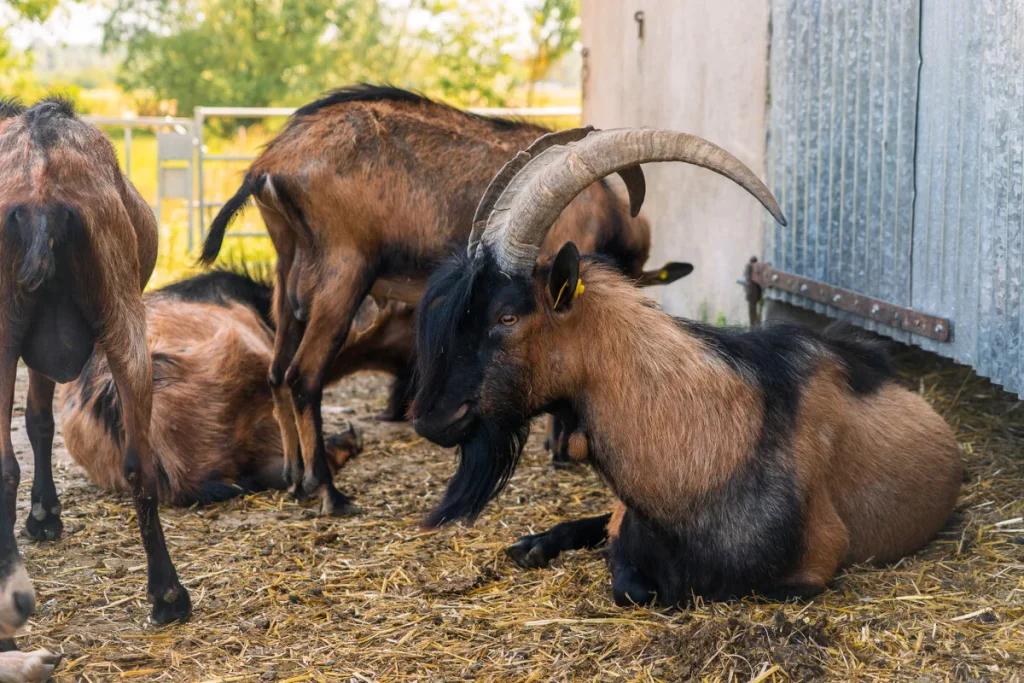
(632,177)
(529,201)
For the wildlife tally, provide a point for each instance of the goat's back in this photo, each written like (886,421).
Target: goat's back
(212,409)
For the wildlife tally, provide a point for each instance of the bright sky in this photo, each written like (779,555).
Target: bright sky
(82,23)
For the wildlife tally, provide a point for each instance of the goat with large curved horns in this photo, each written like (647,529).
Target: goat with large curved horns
(756,461)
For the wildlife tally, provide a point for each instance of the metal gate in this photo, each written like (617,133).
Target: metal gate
(896,148)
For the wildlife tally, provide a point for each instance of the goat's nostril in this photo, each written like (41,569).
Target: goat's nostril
(24,604)
(461,412)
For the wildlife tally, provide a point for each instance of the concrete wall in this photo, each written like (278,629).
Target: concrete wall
(701,67)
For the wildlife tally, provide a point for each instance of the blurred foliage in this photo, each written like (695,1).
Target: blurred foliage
(554,30)
(277,52)
(16,75)
(33,10)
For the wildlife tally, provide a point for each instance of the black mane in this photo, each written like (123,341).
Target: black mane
(46,117)
(11,107)
(367,92)
(222,287)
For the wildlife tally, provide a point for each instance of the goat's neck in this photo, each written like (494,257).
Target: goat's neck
(667,420)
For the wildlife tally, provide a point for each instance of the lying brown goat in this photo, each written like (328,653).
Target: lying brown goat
(77,246)
(213,431)
(377,182)
(756,461)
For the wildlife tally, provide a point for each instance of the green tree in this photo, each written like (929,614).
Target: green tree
(554,30)
(33,10)
(281,52)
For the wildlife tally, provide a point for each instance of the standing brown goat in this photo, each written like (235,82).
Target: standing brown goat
(77,246)
(377,182)
(213,432)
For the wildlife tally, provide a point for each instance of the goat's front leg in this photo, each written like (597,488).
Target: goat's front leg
(43,522)
(132,370)
(8,460)
(333,308)
(400,397)
(537,550)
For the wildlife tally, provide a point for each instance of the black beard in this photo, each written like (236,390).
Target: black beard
(486,463)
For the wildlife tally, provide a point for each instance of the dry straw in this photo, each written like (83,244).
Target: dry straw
(281,595)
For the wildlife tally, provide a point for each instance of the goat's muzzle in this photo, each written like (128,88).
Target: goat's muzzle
(447,430)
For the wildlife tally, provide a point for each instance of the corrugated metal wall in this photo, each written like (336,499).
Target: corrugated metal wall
(896,144)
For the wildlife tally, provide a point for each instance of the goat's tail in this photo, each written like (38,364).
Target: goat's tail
(668,273)
(252,184)
(40,235)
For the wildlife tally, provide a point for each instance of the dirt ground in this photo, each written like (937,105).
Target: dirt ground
(282,595)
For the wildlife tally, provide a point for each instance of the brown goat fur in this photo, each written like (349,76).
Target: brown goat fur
(745,461)
(213,430)
(376,182)
(77,246)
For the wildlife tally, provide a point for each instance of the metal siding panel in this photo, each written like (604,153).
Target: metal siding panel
(970,165)
(843,81)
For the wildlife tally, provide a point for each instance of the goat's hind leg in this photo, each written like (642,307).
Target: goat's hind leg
(286,342)
(43,522)
(537,550)
(132,370)
(331,313)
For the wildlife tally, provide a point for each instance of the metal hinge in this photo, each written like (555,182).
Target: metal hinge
(762,276)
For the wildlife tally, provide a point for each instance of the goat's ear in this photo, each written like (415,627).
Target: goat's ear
(564,280)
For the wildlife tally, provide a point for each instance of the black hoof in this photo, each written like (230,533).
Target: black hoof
(312,482)
(630,589)
(8,645)
(334,503)
(529,552)
(297,492)
(389,415)
(564,464)
(41,525)
(172,604)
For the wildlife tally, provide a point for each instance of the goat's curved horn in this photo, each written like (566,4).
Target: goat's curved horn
(633,178)
(531,200)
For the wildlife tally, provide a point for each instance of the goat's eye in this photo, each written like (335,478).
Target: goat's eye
(508,319)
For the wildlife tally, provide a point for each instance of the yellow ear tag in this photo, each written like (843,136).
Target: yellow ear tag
(663,275)
(579,289)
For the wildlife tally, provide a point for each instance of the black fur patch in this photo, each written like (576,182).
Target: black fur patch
(106,404)
(367,92)
(737,540)
(11,107)
(486,463)
(780,356)
(45,118)
(614,249)
(222,287)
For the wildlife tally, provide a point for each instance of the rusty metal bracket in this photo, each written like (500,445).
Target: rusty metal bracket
(899,317)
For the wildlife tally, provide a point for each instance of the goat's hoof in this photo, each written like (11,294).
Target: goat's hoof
(529,553)
(171,604)
(311,482)
(566,464)
(334,503)
(41,525)
(390,415)
(630,590)
(28,667)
